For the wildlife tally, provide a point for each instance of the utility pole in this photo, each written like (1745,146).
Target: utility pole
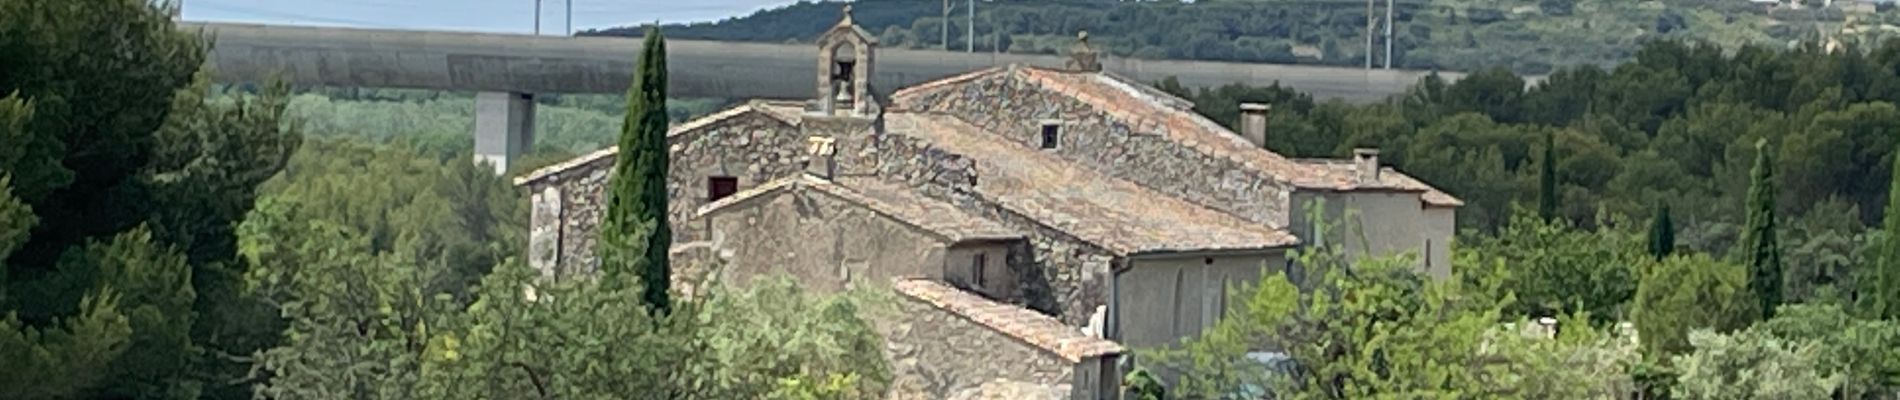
(570,16)
(1369,19)
(969,44)
(537,17)
(1387,35)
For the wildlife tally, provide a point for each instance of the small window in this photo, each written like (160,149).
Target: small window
(976,269)
(1051,134)
(719,187)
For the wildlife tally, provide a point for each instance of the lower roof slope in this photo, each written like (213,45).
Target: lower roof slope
(1121,216)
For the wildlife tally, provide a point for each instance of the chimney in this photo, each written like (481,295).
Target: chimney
(1253,123)
(1365,163)
(821,157)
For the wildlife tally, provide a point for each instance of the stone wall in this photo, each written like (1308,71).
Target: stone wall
(825,243)
(1056,273)
(751,146)
(1011,106)
(935,354)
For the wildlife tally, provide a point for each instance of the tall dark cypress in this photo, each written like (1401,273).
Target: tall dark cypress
(1881,294)
(1762,250)
(635,236)
(1662,234)
(1547,183)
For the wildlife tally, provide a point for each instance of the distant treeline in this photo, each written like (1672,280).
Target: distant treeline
(1464,35)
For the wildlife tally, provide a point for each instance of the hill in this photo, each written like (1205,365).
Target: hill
(1529,37)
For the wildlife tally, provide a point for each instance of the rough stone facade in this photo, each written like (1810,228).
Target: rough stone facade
(749,144)
(827,245)
(935,353)
(943,342)
(1133,150)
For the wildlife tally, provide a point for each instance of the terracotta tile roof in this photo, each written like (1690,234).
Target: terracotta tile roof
(1151,110)
(1037,330)
(1120,216)
(775,109)
(1389,177)
(892,201)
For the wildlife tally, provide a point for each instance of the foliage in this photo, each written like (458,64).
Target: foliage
(1751,365)
(62,361)
(1865,353)
(136,176)
(1547,179)
(635,236)
(1375,328)
(452,218)
(1558,269)
(1662,234)
(1687,292)
(155,295)
(1761,250)
(774,340)
(1882,290)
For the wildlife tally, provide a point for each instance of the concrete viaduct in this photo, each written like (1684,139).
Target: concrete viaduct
(506,70)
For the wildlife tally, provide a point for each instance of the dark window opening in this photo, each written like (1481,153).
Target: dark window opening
(1051,134)
(976,269)
(719,187)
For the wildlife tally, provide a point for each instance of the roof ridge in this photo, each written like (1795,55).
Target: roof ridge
(671,132)
(854,196)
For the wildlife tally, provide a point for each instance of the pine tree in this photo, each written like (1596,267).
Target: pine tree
(635,236)
(1881,293)
(1547,182)
(1762,250)
(1662,234)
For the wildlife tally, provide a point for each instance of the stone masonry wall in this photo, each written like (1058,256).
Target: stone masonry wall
(751,147)
(1015,108)
(1057,273)
(935,354)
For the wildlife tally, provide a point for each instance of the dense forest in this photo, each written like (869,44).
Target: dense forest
(1530,37)
(162,237)
(165,238)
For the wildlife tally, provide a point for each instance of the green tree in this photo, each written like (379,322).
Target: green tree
(62,361)
(1761,250)
(1880,292)
(156,299)
(1662,234)
(1865,353)
(635,237)
(1751,365)
(1686,292)
(1558,269)
(1547,179)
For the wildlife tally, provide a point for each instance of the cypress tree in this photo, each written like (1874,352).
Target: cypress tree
(1662,234)
(1881,293)
(1547,183)
(635,236)
(1762,250)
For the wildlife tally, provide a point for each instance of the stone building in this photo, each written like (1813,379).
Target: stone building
(1073,195)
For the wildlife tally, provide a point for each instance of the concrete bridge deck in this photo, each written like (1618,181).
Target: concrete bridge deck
(463,61)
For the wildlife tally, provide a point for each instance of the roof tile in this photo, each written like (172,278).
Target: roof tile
(1120,216)
(1041,331)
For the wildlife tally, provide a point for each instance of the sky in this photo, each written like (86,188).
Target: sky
(515,16)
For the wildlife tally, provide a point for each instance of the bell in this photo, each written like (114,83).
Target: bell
(844,92)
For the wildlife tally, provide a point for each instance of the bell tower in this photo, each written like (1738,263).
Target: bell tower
(846,54)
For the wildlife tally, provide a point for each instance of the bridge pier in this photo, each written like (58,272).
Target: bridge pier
(504,128)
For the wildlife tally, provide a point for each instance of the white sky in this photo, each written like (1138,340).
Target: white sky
(515,16)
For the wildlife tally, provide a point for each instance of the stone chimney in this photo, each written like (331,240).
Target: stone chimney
(1365,163)
(1253,123)
(821,157)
